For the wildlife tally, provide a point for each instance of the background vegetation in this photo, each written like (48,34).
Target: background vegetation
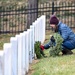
(4,38)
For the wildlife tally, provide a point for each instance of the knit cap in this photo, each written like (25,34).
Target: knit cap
(54,20)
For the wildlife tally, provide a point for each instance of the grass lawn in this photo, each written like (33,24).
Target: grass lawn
(61,65)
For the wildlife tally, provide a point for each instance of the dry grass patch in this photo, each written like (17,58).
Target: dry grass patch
(4,38)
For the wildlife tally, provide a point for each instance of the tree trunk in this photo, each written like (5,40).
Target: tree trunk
(32,12)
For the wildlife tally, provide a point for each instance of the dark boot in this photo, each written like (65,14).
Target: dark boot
(67,52)
(63,52)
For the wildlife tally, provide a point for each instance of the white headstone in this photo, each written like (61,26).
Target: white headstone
(19,46)
(1,63)
(7,59)
(14,55)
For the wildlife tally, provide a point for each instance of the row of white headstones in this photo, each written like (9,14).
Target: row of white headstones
(19,53)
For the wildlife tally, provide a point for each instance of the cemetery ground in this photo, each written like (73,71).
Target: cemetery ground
(60,65)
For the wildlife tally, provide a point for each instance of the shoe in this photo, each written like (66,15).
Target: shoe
(67,52)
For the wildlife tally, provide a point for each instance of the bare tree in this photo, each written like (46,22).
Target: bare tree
(32,12)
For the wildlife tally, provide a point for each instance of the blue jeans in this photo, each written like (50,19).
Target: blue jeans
(68,45)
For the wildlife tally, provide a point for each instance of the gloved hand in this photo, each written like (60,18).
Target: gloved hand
(53,43)
(52,39)
(42,47)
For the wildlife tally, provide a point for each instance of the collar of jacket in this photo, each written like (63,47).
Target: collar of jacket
(59,23)
(59,27)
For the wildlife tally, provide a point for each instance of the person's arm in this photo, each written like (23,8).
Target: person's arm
(46,46)
(49,44)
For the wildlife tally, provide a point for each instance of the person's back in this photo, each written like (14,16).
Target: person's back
(66,32)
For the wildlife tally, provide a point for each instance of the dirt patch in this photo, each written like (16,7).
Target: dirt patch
(31,69)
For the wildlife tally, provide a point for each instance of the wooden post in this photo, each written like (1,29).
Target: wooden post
(32,12)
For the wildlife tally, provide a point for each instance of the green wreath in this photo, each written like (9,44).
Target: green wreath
(55,50)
